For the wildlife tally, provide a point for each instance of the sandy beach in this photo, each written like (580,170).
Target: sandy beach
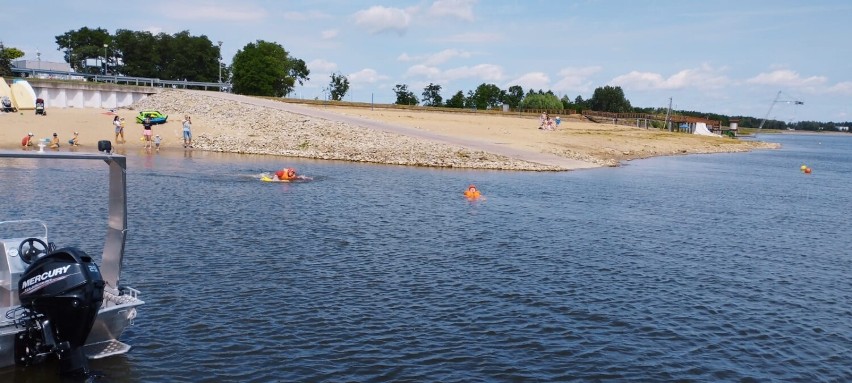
(231,123)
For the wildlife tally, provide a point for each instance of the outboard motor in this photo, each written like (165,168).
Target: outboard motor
(62,293)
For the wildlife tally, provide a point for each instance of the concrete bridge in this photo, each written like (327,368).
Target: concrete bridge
(79,94)
(65,89)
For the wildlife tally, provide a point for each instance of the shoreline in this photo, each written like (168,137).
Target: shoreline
(240,124)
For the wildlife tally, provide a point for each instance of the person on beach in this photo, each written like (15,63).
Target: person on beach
(118,125)
(558,121)
(187,132)
(157,141)
(541,120)
(54,143)
(286,174)
(73,141)
(548,124)
(147,131)
(27,141)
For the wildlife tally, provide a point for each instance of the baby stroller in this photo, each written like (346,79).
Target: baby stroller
(40,107)
(7,105)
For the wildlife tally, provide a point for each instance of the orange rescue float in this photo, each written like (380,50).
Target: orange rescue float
(472,192)
(286,174)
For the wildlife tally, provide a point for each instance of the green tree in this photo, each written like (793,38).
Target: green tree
(487,96)
(514,96)
(338,86)
(139,53)
(7,54)
(457,101)
(404,96)
(580,104)
(84,45)
(432,95)
(541,101)
(180,56)
(469,100)
(266,69)
(610,99)
(11,53)
(566,102)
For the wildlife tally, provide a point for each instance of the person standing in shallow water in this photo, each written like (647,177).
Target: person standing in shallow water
(147,131)
(187,132)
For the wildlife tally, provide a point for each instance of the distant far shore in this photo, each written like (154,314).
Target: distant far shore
(241,124)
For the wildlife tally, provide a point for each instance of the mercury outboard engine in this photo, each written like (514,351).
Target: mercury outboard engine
(61,293)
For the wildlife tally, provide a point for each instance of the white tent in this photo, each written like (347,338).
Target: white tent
(701,128)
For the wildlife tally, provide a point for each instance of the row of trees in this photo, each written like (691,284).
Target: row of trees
(490,96)
(604,99)
(260,68)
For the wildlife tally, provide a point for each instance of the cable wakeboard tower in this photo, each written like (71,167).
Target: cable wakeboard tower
(777,100)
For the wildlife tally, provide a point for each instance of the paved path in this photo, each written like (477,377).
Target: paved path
(525,155)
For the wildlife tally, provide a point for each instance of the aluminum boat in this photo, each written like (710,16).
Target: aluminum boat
(58,302)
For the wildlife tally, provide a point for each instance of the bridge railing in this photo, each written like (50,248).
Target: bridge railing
(127,80)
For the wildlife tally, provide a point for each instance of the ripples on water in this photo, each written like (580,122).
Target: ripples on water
(709,268)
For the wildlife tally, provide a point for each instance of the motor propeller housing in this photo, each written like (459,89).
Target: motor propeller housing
(63,291)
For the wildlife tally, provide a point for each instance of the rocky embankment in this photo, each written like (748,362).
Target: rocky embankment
(235,127)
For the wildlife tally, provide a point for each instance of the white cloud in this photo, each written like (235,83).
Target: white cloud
(379,19)
(428,72)
(532,80)
(460,9)
(365,76)
(214,12)
(484,72)
(329,34)
(842,87)
(576,79)
(704,77)
(786,78)
(320,66)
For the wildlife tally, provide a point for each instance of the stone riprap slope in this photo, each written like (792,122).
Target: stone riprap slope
(235,127)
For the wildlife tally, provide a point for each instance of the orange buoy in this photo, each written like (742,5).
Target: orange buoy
(807,170)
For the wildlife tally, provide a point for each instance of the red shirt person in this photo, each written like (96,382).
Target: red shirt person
(27,140)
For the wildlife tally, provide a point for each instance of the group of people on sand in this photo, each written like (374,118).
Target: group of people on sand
(152,140)
(547,123)
(27,141)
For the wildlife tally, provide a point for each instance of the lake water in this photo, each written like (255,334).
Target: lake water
(725,267)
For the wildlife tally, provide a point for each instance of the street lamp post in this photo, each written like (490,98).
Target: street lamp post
(220,63)
(106,63)
(38,55)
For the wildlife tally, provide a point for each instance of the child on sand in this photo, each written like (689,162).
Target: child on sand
(119,129)
(73,141)
(27,141)
(157,142)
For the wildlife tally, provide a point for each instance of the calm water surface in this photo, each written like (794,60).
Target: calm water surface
(727,267)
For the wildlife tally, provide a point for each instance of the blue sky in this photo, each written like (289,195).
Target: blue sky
(728,57)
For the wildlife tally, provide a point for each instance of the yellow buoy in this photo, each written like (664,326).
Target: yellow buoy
(803,167)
